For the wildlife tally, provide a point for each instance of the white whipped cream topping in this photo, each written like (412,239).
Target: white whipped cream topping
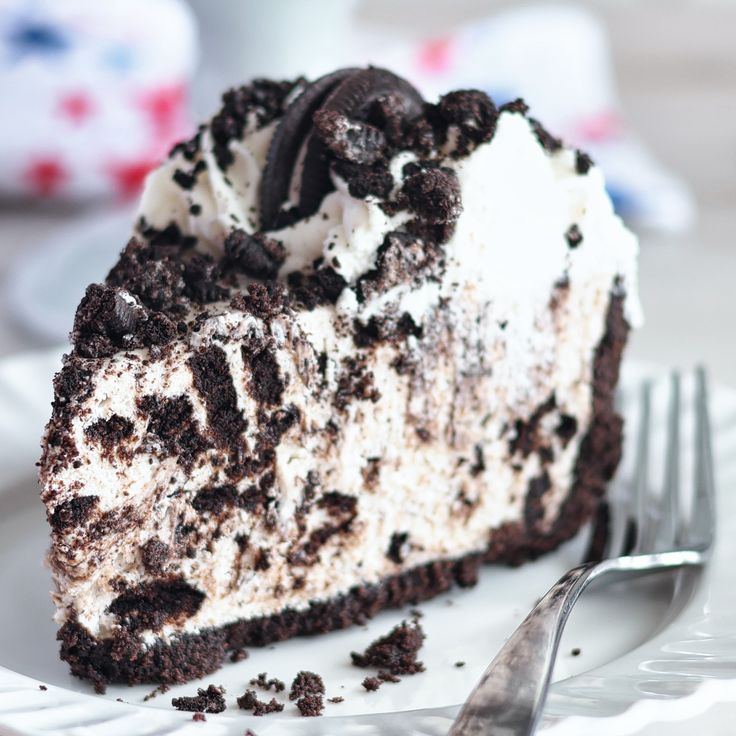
(518,203)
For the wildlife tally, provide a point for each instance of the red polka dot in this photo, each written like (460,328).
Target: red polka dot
(165,107)
(600,127)
(76,106)
(435,56)
(45,176)
(128,176)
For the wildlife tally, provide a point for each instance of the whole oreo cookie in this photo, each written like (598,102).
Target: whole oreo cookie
(341,102)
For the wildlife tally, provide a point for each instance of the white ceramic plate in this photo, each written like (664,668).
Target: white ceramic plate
(653,651)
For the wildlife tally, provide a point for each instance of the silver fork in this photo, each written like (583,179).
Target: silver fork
(509,699)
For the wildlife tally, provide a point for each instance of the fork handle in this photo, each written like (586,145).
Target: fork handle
(509,698)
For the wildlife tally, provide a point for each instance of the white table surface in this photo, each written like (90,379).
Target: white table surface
(676,65)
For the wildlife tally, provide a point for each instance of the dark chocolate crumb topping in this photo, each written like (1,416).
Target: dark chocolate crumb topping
(583,162)
(109,319)
(201,276)
(518,106)
(264,300)
(472,113)
(550,143)
(324,286)
(254,255)
(263,97)
(434,194)
(153,273)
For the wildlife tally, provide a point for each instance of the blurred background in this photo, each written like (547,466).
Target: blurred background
(94,94)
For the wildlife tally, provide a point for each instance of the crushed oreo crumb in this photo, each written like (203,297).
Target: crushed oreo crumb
(387,677)
(154,554)
(110,319)
(472,113)
(324,286)
(549,142)
(336,699)
(110,432)
(576,652)
(255,255)
(396,652)
(238,655)
(73,512)
(518,106)
(310,705)
(583,162)
(211,700)
(349,140)
(263,97)
(263,299)
(249,701)
(265,683)
(398,548)
(573,236)
(371,684)
(201,276)
(434,195)
(160,690)
(460,664)
(200,717)
(306,683)
(153,603)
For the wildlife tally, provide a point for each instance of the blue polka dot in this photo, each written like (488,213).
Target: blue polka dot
(119,58)
(623,202)
(34,38)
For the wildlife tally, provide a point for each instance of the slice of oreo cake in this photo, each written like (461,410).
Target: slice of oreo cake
(358,344)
